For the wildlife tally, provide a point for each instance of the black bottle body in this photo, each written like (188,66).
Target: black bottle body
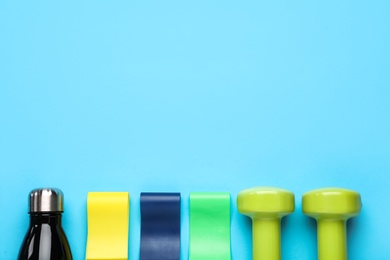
(45,239)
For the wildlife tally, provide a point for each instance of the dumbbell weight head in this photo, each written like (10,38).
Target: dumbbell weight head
(265,202)
(331,203)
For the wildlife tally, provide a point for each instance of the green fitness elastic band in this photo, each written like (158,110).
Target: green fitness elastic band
(210,226)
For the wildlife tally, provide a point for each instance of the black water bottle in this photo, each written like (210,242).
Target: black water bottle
(45,238)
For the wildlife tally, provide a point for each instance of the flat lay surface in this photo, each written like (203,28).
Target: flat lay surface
(170,96)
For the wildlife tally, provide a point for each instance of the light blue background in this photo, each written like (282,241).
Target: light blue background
(196,96)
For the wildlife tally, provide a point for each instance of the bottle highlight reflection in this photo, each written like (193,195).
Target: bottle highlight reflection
(45,238)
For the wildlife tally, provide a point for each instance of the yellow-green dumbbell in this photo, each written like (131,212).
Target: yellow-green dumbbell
(266,206)
(331,207)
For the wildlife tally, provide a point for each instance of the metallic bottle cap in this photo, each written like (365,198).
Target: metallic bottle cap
(46,200)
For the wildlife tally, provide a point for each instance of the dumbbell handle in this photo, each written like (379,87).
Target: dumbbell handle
(332,243)
(266,239)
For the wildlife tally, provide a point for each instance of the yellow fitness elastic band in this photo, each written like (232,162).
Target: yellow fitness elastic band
(108,225)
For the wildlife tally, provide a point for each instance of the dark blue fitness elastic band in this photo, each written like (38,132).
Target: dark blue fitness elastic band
(160,226)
